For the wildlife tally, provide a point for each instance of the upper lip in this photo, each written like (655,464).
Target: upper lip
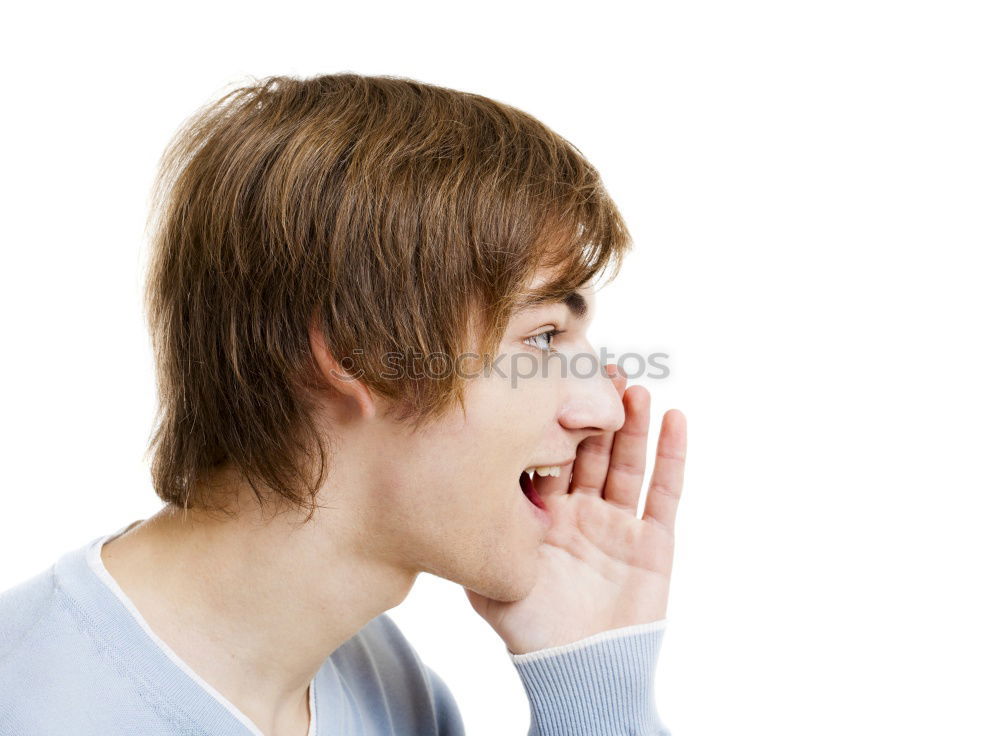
(559,464)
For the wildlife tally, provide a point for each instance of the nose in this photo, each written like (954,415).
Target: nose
(592,404)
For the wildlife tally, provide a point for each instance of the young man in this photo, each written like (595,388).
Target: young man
(350,276)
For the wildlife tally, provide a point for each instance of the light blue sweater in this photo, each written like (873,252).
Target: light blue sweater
(77,659)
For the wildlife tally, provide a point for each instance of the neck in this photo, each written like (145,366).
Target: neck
(255,606)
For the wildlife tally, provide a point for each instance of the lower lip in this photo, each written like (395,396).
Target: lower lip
(538,505)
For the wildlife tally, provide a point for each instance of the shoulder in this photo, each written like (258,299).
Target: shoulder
(36,654)
(25,609)
(56,675)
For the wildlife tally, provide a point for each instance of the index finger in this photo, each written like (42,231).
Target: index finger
(590,470)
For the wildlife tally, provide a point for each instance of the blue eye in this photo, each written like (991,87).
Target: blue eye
(543,341)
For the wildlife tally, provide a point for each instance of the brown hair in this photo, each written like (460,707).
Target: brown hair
(389,213)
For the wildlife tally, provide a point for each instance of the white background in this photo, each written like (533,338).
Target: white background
(812,188)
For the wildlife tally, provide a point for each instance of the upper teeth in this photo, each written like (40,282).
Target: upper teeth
(545,470)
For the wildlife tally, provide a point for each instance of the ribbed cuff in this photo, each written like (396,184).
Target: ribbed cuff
(598,686)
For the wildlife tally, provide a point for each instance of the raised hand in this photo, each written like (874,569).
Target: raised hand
(602,567)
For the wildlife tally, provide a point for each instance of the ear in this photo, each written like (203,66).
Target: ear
(348,386)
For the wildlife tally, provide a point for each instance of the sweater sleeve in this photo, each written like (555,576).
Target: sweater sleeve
(598,686)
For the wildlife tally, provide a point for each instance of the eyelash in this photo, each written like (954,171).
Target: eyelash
(551,334)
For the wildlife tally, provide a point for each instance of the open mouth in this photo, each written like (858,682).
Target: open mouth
(528,489)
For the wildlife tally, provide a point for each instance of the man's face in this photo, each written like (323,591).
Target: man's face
(450,500)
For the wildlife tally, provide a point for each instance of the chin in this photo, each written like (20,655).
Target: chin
(508,583)
(513,594)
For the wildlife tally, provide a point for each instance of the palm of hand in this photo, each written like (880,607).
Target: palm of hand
(601,567)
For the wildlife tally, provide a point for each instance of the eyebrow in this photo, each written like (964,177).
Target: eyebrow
(574,301)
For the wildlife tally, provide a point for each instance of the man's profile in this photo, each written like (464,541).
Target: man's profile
(344,271)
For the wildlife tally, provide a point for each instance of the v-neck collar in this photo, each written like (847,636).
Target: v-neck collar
(154,667)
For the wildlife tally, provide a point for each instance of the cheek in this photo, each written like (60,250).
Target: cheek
(532,407)
(465,464)
(451,467)
(506,433)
